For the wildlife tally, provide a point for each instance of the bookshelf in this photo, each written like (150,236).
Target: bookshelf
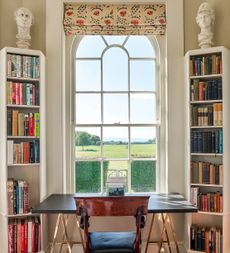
(22,149)
(207,81)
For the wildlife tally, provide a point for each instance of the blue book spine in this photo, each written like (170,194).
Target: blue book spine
(213,142)
(220,141)
(219,89)
(17,199)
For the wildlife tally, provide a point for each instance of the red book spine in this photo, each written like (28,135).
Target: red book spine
(39,237)
(21,93)
(14,94)
(33,237)
(31,124)
(11,237)
(26,152)
(19,237)
(25,198)
(26,237)
(17,93)
(23,236)
(201,91)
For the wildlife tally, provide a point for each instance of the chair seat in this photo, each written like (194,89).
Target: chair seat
(111,242)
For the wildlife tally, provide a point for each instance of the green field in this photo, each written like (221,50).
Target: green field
(88,172)
(116,151)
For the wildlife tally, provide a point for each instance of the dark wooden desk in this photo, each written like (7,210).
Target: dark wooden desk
(159,203)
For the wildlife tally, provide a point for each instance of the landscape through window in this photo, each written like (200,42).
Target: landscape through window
(116,124)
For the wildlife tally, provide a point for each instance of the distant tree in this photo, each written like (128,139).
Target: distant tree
(83,139)
(152,141)
(95,140)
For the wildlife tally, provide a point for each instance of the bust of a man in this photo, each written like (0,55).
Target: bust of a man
(24,20)
(205,19)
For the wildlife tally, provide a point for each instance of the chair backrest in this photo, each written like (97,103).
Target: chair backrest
(112,206)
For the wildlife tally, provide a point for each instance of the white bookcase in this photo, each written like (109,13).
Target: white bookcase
(204,123)
(34,173)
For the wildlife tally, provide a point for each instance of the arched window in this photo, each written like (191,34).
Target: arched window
(117,117)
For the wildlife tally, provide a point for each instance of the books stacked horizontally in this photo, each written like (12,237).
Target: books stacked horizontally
(23,66)
(22,93)
(206,173)
(24,235)
(17,196)
(207,202)
(204,239)
(23,124)
(23,152)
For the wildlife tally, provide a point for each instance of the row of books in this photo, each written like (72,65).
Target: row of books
(205,65)
(206,90)
(23,124)
(23,152)
(22,93)
(23,66)
(207,141)
(207,202)
(206,173)
(205,239)
(17,196)
(24,235)
(211,115)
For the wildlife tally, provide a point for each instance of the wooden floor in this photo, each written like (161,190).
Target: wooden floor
(152,249)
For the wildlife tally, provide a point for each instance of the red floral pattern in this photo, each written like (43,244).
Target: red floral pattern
(135,19)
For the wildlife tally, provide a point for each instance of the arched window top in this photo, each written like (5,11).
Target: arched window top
(90,46)
(137,46)
(140,46)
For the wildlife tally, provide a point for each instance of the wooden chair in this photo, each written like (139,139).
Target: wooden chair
(112,242)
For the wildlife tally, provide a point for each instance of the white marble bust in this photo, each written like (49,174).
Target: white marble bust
(205,19)
(24,20)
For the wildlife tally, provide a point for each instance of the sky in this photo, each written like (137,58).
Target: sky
(115,78)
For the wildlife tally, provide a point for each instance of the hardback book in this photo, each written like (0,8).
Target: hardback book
(10,196)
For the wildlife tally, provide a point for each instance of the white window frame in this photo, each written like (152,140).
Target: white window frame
(159,44)
(58,80)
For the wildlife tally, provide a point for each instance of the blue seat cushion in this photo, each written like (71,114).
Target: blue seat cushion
(111,242)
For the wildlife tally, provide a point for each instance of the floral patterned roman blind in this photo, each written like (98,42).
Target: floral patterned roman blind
(132,19)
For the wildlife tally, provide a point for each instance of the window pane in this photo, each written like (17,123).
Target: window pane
(110,39)
(143,142)
(115,108)
(143,108)
(139,46)
(88,176)
(88,75)
(115,70)
(115,174)
(88,108)
(115,141)
(142,75)
(87,142)
(143,176)
(90,46)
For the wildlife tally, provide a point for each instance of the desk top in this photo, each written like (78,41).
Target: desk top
(158,203)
